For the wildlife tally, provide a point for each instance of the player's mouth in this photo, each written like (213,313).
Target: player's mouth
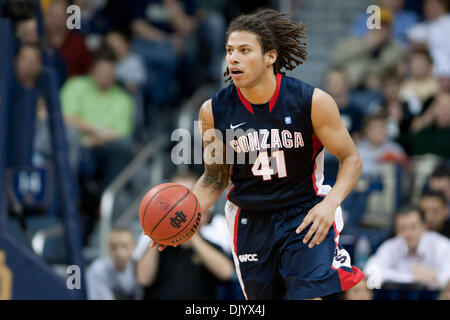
(236,73)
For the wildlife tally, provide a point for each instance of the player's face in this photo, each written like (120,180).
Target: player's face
(245,59)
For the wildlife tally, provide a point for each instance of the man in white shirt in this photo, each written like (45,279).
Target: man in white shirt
(414,256)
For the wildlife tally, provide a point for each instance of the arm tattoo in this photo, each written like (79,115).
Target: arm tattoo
(216,175)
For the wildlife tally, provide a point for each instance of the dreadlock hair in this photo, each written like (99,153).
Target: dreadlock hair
(274,32)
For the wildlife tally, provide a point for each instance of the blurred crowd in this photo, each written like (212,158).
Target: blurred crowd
(132,64)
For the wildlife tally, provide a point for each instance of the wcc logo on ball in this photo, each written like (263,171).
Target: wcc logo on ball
(178,218)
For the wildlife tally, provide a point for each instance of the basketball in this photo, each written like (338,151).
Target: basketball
(169,214)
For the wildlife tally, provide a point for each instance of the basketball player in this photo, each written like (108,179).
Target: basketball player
(283,222)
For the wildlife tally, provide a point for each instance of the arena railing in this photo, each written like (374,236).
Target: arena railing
(109,196)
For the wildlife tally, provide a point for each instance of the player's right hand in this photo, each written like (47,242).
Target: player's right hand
(161,247)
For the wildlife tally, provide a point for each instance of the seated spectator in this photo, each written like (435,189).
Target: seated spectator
(431,33)
(359,292)
(413,256)
(365,58)
(376,148)
(131,69)
(430,132)
(28,65)
(27,31)
(69,44)
(182,47)
(162,33)
(439,180)
(398,112)
(434,206)
(422,84)
(103,113)
(22,16)
(403,20)
(337,86)
(204,264)
(113,277)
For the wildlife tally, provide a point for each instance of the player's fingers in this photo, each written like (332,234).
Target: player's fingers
(162,247)
(317,236)
(311,231)
(323,236)
(306,221)
(153,244)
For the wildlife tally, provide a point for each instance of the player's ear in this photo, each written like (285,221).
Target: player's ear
(270,57)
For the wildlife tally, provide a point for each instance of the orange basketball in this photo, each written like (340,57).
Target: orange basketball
(169,214)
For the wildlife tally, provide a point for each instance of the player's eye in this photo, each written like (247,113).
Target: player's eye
(229,51)
(244,50)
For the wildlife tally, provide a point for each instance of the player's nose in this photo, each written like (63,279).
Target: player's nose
(233,58)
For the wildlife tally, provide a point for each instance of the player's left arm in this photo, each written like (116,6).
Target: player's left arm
(333,135)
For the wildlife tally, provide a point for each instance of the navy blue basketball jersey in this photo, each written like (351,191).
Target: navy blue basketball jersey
(277,159)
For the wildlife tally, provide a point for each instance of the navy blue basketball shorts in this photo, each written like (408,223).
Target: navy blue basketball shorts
(272,262)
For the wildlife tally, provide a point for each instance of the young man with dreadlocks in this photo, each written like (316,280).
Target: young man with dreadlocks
(284,223)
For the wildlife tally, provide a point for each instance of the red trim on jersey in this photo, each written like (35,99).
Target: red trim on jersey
(274,98)
(316,146)
(347,279)
(350,279)
(272,101)
(236,224)
(229,191)
(244,101)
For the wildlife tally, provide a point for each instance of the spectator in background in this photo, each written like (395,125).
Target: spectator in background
(192,270)
(103,113)
(27,31)
(431,33)
(359,292)
(113,277)
(337,86)
(396,111)
(439,180)
(211,36)
(22,16)
(131,69)
(421,84)
(182,46)
(414,255)
(403,20)
(434,206)
(28,65)
(365,58)
(376,148)
(430,132)
(163,32)
(69,44)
